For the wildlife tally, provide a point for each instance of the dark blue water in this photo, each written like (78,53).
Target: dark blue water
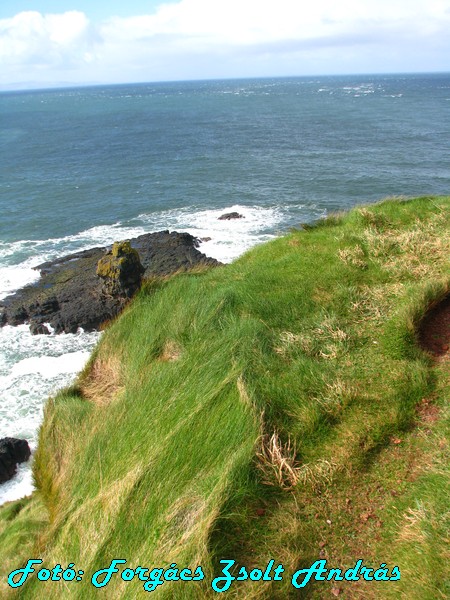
(74,159)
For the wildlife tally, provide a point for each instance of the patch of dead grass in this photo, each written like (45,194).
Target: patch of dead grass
(328,328)
(420,251)
(288,341)
(326,341)
(171,351)
(104,381)
(336,397)
(353,257)
(412,528)
(374,303)
(277,462)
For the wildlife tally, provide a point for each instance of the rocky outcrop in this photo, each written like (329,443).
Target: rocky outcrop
(121,270)
(230,215)
(12,452)
(70,294)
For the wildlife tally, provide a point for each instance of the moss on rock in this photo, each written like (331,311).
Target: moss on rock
(121,270)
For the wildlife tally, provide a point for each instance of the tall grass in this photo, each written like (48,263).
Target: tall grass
(234,413)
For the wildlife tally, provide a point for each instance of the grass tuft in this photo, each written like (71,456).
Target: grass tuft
(277,462)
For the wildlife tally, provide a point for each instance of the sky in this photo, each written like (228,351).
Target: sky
(77,42)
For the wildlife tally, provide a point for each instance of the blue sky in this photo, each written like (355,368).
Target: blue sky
(95,9)
(54,42)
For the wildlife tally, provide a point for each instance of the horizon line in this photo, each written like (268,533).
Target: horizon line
(62,85)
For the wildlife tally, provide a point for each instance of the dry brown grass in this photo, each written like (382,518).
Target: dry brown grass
(104,382)
(244,396)
(327,341)
(375,303)
(412,529)
(277,462)
(170,352)
(288,341)
(329,328)
(353,257)
(336,397)
(420,251)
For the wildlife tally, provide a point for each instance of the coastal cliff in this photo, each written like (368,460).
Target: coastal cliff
(280,407)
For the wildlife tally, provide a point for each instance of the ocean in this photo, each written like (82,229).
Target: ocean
(84,167)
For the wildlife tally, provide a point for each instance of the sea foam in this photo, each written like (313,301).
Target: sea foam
(32,368)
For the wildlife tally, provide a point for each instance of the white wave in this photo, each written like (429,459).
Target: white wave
(18,343)
(15,277)
(20,486)
(229,239)
(32,368)
(51,366)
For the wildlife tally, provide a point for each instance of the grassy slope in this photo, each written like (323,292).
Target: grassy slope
(153,455)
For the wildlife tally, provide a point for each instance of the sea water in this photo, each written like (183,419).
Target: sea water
(84,167)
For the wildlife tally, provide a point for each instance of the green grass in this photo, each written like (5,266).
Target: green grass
(159,453)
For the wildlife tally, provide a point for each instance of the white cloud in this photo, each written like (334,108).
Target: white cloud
(31,39)
(206,38)
(255,21)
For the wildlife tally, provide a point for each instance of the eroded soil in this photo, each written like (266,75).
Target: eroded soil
(434,332)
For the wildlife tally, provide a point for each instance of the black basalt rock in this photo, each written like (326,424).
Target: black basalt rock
(231,215)
(12,452)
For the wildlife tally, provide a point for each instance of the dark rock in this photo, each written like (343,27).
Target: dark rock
(12,452)
(164,253)
(16,316)
(69,294)
(47,307)
(231,215)
(39,328)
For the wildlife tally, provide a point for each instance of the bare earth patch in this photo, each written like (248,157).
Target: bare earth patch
(434,333)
